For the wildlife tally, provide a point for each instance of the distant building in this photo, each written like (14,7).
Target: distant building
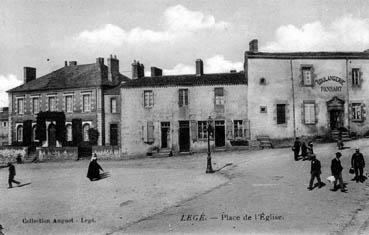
(89,92)
(170,113)
(306,93)
(4,125)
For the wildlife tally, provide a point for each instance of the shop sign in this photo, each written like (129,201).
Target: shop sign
(337,88)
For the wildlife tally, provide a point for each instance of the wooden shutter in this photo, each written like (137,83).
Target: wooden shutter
(194,130)
(186,97)
(229,128)
(360,78)
(150,131)
(144,132)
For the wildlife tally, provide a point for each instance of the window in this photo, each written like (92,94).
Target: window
(4,124)
(52,103)
(86,106)
(238,129)
(219,96)
(309,113)
(355,75)
(20,106)
(69,104)
(35,105)
(281,113)
(20,133)
(357,112)
(202,132)
(69,132)
(307,76)
(263,109)
(183,97)
(148,99)
(113,105)
(86,127)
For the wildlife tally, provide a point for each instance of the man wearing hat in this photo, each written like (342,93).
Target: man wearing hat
(358,164)
(11,175)
(315,172)
(336,169)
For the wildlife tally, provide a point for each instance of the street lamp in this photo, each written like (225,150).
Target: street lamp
(209,168)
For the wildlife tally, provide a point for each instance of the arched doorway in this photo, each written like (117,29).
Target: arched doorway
(335,109)
(51,135)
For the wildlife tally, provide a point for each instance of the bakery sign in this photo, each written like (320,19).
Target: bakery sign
(326,84)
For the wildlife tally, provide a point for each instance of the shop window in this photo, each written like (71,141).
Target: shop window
(202,129)
(357,112)
(238,129)
(148,99)
(355,76)
(281,113)
(219,96)
(307,75)
(183,97)
(309,113)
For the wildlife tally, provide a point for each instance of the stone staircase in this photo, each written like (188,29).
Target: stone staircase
(344,134)
(264,141)
(162,153)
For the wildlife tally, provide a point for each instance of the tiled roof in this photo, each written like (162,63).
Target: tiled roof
(188,80)
(86,75)
(307,55)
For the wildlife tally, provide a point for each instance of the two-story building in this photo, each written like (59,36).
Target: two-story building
(171,112)
(88,92)
(306,93)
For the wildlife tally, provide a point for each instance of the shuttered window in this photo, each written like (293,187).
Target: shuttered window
(355,76)
(309,113)
(357,114)
(281,113)
(150,131)
(238,129)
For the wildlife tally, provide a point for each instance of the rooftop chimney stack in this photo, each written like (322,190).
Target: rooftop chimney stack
(65,63)
(72,63)
(100,61)
(138,70)
(199,67)
(253,45)
(29,74)
(156,72)
(113,67)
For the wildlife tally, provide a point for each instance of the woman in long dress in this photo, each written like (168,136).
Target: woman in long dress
(94,168)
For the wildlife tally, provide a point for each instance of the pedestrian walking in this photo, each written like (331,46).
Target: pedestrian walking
(11,175)
(296,148)
(304,150)
(310,147)
(336,169)
(94,168)
(315,172)
(358,164)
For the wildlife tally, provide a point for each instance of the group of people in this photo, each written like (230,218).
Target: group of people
(307,151)
(357,167)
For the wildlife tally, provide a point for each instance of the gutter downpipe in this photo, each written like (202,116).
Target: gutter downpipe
(293,101)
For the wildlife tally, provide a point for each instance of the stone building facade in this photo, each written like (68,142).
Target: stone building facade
(161,113)
(80,91)
(306,93)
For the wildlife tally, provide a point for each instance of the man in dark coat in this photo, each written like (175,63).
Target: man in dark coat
(11,175)
(296,148)
(304,150)
(358,163)
(94,168)
(336,169)
(315,172)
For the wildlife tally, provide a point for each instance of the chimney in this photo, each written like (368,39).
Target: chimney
(199,67)
(29,74)
(72,63)
(138,70)
(253,45)
(233,71)
(113,67)
(100,60)
(65,63)
(156,72)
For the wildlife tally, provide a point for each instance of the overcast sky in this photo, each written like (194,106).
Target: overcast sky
(170,34)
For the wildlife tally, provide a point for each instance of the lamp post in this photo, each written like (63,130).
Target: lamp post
(209,168)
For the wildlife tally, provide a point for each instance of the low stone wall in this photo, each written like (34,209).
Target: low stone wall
(107,152)
(10,153)
(55,154)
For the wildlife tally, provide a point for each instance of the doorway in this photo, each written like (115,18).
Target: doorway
(165,134)
(219,134)
(113,134)
(184,136)
(335,119)
(51,135)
